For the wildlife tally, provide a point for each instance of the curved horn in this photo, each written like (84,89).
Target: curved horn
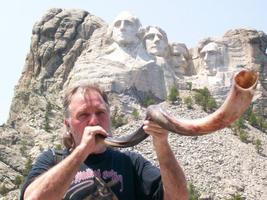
(236,103)
(127,140)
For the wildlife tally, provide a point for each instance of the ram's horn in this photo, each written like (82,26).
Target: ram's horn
(127,140)
(236,103)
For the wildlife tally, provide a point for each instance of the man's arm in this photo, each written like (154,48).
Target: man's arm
(54,183)
(173,178)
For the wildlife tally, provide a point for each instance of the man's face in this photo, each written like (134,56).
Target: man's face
(155,43)
(125,30)
(87,109)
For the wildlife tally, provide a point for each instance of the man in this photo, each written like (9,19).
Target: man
(87,119)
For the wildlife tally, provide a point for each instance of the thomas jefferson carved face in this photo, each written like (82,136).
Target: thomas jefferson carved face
(125,29)
(156,42)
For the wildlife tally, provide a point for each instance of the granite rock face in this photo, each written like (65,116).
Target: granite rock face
(133,63)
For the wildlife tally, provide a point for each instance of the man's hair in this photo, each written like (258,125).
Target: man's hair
(84,86)
(68,140)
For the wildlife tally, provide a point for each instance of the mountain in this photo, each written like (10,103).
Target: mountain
(69,46)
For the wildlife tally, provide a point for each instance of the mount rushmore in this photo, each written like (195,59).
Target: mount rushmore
(129,61)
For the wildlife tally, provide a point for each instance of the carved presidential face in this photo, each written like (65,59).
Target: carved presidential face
(210,55)
(180,55)
(125,29)
(156,42)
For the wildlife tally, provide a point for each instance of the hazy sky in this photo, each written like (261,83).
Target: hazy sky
(186,21)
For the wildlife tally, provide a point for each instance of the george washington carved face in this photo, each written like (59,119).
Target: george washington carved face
(125,29)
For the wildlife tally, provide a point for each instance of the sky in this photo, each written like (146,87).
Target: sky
(185,21)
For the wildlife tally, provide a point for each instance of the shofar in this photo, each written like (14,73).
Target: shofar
(236,103)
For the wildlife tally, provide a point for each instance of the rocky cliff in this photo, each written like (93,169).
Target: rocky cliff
(69,46)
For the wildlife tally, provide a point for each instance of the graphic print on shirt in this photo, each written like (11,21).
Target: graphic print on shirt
(93,183)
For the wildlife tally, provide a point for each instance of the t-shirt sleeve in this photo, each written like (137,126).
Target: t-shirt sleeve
(43,163)
(148,181)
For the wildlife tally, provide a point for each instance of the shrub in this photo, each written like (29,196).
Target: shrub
(117,119)
(258,145)
(174,94)
(47,127)
(238,125)
(135,114)
(243,136)
(203,98)
(58,147)
(189,85)
(256,120)
(28,167)
(18,180)
(23,147)
(3,189)
(237,197)
(149,100)
(189,102)
(194,194)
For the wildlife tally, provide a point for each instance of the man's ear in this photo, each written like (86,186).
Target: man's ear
(67,124)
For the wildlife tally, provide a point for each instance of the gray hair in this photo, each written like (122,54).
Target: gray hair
(84,86)
(68,140)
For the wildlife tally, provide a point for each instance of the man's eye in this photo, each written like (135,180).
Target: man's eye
(128,23)
(83,115)
(117,24)
(160,36)
(149,37)
(100,112)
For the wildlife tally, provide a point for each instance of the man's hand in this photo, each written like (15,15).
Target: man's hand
(159,134)
(173,178)
(93,140)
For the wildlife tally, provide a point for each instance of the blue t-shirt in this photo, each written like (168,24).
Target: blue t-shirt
(132,176)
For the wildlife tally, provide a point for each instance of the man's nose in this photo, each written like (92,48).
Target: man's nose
(206,56)
(156,38)
(122,26)
(93,121)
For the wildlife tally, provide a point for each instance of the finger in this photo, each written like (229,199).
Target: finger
(152,126)
(153,131)
(95,130)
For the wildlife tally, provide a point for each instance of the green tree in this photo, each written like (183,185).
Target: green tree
(189,85)
(203,98)
(135,114)
(3,189)
(194,194)
(189,102)
(48,109)
(18,180)
(149,100)
(117,119)
(174,94)
(27,167)
(258,145)
(243,136)
(237,197)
